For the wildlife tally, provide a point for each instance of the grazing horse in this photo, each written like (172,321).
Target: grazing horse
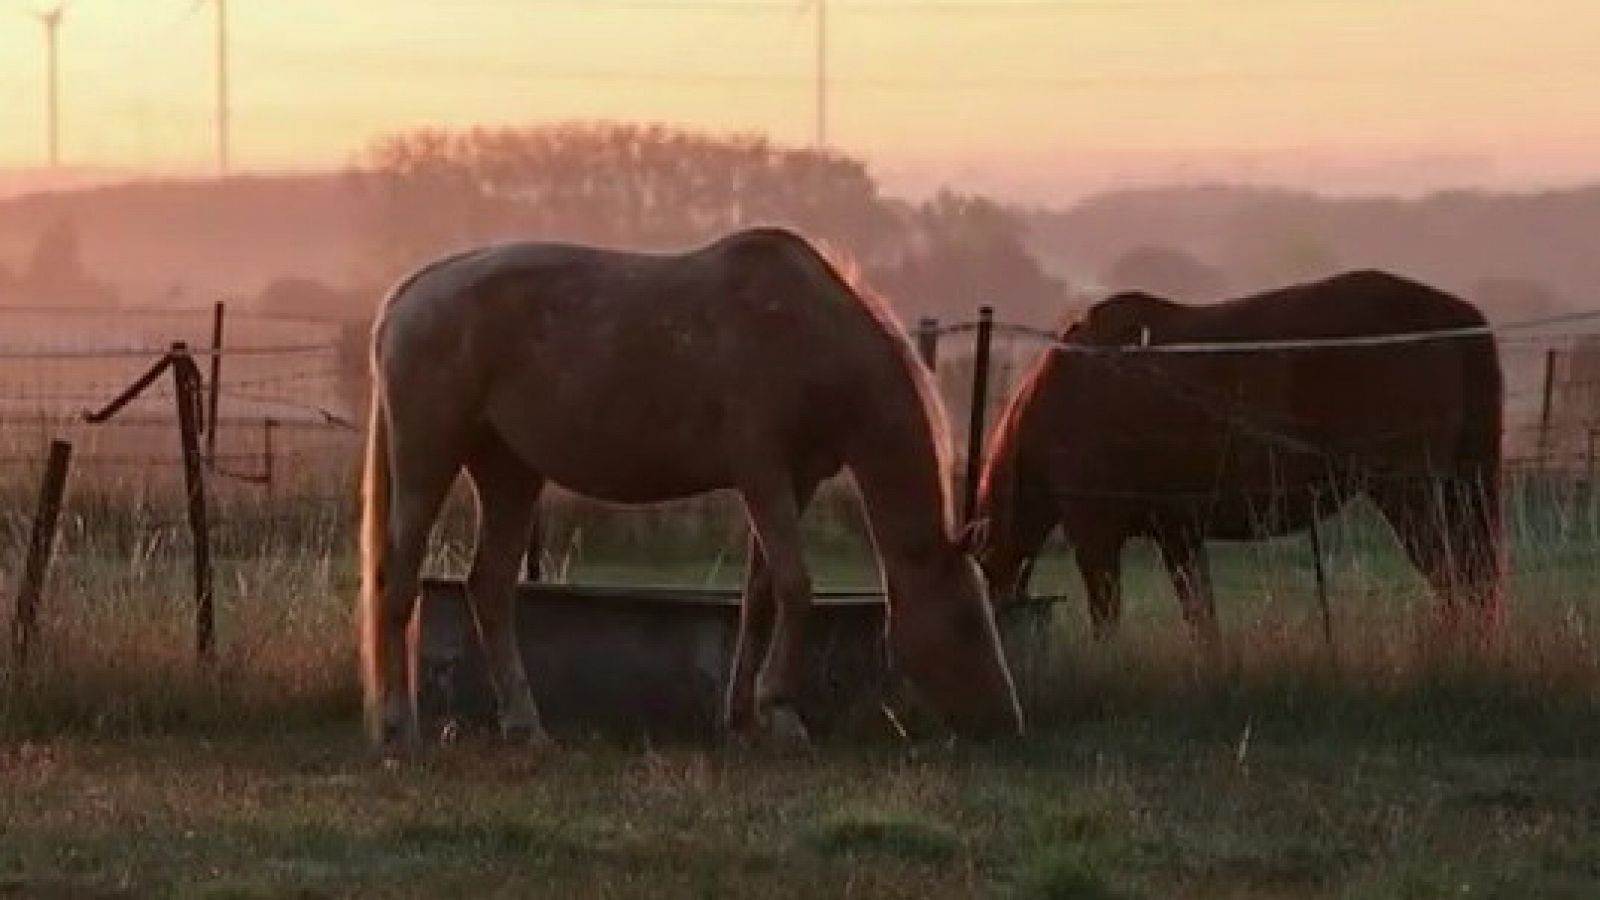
(748,364)
(1112,441)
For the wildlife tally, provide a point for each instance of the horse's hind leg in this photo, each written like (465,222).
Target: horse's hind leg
(1184,553)
(421,478)
(507,491)
(1444,526)
(1477,541)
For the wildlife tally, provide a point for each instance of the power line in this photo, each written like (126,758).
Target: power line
(1047,7)
(1486,69)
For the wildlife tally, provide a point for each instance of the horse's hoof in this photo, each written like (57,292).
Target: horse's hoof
(785,729)
(741,735)
(397,742)
(450,733)
(396,755)
(532,736)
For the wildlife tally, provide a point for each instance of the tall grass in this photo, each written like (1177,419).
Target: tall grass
(115,651)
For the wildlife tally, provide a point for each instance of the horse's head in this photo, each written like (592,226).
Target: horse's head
(1126,319)
(995,536)
(1015,508)
(942,637)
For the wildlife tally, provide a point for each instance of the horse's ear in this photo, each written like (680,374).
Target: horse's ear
(974,535)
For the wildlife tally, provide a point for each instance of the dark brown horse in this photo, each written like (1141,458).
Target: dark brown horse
(749,365)
(1241,444)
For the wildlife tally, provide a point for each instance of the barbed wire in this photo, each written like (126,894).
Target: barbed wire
(1056,339)
(147,351)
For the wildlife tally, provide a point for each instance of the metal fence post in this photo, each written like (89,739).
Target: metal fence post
(980,402)
(215,388)
(928,342)
(269,425)
(1545,408)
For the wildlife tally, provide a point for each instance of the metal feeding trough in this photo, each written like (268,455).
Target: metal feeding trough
(645,661)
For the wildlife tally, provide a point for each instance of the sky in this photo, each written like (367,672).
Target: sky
(1031,99)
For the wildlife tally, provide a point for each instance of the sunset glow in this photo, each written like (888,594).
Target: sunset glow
(1002,87)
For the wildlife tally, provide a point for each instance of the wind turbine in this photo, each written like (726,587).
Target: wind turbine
(51,20)
(821,74)
(223,111)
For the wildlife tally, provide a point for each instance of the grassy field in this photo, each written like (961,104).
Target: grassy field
(1387,769)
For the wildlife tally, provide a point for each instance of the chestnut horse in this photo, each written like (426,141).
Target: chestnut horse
(1112,441)
(748,364)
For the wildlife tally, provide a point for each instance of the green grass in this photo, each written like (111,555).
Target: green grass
(1112,810)
(865,831)
(1386,769)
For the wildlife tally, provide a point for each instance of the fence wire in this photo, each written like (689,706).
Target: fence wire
(284,467)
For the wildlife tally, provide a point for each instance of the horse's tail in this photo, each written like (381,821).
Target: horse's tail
(1478,460)
(374,546)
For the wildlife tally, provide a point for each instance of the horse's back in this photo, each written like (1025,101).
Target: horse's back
(1361,303)
(1229,431)
(637,376)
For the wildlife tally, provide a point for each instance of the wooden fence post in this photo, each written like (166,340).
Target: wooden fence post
(186,380)
(928,342)
(1588,456)
(980,402)
(24,621)
(1315,532)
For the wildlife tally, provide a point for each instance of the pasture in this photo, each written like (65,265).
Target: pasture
(1391,772)
(1384,768)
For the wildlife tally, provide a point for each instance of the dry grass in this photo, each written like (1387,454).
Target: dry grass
(1391,770)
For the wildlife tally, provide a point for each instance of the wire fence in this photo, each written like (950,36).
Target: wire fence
(284,441)
(291,392)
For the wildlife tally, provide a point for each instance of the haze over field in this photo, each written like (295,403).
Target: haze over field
(1086,122)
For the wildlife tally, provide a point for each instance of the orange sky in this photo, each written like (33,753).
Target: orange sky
(991,90)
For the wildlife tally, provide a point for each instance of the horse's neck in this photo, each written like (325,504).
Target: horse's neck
(896,469)
(1013,496)
(997,491)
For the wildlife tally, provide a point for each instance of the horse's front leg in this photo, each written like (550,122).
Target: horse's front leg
(755,636)
(507,492)
(774,511)
(1184,553)
(1099,561)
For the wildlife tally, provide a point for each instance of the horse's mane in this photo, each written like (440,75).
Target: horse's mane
(843,269)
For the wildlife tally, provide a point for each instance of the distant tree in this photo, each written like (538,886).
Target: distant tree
(627,185)
(964,251)
(1280,239)
(1503,299)
(55,275)
(1166,272)
(654,187)
(56,257)
(307,298)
